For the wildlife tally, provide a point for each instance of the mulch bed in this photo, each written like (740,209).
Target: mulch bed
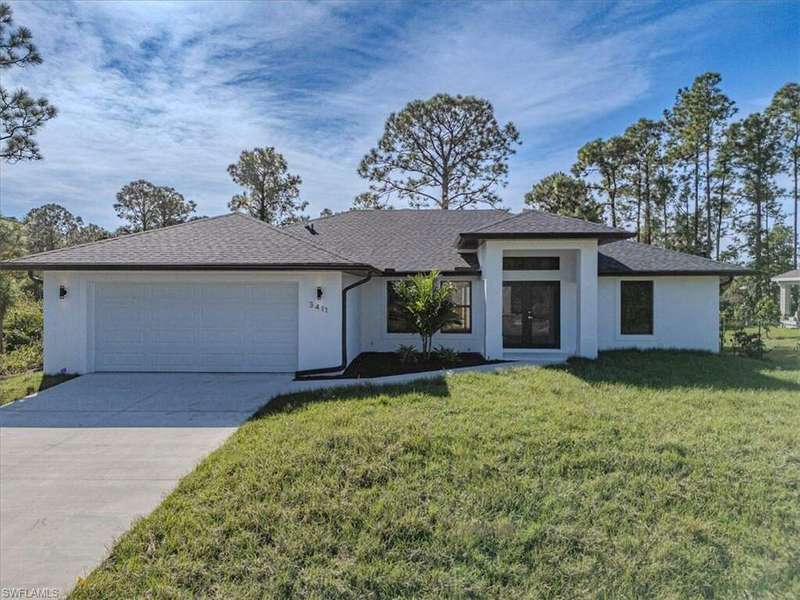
(382,364)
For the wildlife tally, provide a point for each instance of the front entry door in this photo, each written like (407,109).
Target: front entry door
(531,314)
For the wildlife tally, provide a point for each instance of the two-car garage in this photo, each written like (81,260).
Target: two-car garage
(202,327)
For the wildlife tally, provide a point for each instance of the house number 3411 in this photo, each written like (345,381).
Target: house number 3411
(317,306)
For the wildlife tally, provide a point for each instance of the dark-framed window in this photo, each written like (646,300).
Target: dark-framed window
(531,263)
(636,307)
(462,297)
(397,320)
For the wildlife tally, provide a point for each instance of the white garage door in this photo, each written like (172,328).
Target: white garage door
(214,327)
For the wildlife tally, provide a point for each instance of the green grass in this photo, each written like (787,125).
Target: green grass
(18,386)
(641,475)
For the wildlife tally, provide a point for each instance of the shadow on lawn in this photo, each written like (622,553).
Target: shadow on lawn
(664,369)
(290,402)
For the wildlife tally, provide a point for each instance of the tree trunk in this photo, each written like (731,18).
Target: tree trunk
(612,201)
(3,310)
(696,240)
(795,207)
(666,223)
(720,208)
(648,213)
(708,195)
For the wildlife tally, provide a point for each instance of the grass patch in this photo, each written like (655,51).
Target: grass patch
(643,474)
(18,386)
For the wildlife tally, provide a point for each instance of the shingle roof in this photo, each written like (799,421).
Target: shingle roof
(405,240)
(626,257)
(788,275)
(399,240)
(536,223)
(224,242)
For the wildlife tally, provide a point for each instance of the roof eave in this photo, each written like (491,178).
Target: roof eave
(678,273)
(476,237)
(22,266)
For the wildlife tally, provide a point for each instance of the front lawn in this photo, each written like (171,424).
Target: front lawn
(641,475)
(18,386)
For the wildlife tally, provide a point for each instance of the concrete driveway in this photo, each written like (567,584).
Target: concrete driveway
(80,461)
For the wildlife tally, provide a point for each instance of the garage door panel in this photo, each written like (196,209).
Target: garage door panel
(195,327)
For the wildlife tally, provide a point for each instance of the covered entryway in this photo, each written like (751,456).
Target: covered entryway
(199,327)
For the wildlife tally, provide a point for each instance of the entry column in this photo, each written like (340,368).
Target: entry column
(587,300)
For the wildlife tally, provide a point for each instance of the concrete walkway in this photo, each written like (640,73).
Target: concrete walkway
(80,461)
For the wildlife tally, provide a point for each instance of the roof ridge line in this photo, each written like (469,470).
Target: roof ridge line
(119,237)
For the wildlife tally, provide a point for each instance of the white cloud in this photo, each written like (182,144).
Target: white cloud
(144,89)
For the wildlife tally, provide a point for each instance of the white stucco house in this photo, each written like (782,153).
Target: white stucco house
(231,293)
(790,315)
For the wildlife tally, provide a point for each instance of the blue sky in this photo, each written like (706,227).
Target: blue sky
(172,92)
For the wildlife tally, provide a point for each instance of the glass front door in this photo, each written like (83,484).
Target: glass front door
(531,314)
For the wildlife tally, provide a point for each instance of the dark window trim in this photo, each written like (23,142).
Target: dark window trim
(652,319)
(545,263)
(468,307)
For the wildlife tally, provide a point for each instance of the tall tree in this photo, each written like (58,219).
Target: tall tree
(564,195)
(785,109)
(12,245)
(758,158)
(21,115)
(447,151)
(145,206)
(171,207)
(696,123)
(724,176)
(272,193)
(370,201)
(50,227)
(607,159)
(644,144)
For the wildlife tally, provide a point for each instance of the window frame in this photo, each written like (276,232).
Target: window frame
(467,307)
(507,260)
(621,313)
(389,290)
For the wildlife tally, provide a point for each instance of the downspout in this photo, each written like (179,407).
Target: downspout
(343,364)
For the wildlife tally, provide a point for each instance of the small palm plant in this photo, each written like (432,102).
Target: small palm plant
(428,303)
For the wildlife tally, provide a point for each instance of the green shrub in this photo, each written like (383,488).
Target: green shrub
(748,344)
(408,355)
(21,360)
(23,323)
(446,356)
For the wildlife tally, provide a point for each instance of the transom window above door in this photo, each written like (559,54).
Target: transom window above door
(531,263)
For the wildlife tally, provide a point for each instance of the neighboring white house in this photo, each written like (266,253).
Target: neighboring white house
(790,315)
(231,293)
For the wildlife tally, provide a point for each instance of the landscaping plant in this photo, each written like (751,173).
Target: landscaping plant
(428,303)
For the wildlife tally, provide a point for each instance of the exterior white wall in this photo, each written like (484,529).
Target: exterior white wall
(69,322)
(685,314)
(578,277)
(374,326)
(353,317)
